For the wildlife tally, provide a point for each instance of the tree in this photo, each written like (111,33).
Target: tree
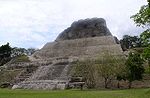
(18,52)
(142,18)
(121,73)
(109,67)
(5,53)
(145,38)
(86,70)
(22,51)
(128,42)
(146,55)
(119,78)
(134,67)
(106,67)
(30,51)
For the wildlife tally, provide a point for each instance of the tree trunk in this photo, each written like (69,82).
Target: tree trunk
(118,84)
(130,84)
(106,82)
(149,63)
(81,86)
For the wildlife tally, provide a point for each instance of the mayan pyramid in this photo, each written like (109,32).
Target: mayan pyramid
(84,39)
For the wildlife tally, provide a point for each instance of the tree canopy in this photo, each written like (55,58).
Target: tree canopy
(142,18)
(5,53)
(128,42)
(134,67)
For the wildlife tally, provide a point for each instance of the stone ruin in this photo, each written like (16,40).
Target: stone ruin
(84,29)
(85,39)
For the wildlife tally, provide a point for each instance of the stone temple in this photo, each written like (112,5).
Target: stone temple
(84,39)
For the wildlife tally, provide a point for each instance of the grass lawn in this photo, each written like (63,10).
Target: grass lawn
(133,93)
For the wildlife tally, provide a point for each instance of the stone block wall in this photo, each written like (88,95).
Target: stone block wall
(80,48)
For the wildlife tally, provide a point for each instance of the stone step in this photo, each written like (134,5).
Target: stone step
(42,84)
(49,72)
(20,79)
(25,75)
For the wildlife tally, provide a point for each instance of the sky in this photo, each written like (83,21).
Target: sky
(33,23)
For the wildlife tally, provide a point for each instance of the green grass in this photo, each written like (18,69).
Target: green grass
(22,58)
(133,93)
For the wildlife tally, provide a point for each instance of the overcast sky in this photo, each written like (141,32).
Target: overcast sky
(33,23)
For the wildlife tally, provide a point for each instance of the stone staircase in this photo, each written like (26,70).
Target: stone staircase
(42,84)
(51,71)
(25,74)
(64,74)
(46,76)
(58,70)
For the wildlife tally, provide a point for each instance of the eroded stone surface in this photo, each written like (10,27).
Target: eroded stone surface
(85,28)
(42,84)
(85,39)
(79,48)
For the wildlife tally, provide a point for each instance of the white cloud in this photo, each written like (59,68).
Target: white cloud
(32,23)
